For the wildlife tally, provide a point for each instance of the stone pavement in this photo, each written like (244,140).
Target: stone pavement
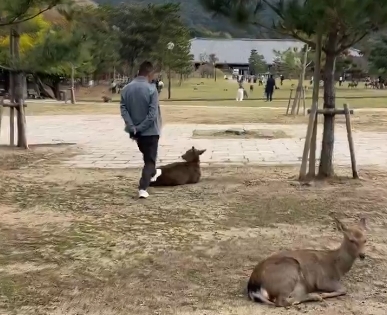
(105,145)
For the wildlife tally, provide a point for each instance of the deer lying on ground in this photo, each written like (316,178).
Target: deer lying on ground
(352,84)
(106,99)
(181,173)
(296,276)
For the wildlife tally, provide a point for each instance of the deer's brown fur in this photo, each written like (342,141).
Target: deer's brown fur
(297,276)
(106,99)
(181,173)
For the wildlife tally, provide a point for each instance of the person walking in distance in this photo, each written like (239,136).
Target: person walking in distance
(141,113)
(269,88)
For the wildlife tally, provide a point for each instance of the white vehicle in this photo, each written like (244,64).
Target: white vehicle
(235,71)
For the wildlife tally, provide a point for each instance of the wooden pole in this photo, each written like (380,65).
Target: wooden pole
(301,80)
(315,98)
(350,141)
(1,111)
(312,152)
(11,72)
(299,101)
(72,90)
(296,99)
(302,98)
(298,105)
(290,99)
(12,126)
(312,119)
(309,131)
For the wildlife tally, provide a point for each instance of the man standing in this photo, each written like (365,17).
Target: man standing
(141,113)
(269,89)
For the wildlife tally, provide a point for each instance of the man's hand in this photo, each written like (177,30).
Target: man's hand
(133,134)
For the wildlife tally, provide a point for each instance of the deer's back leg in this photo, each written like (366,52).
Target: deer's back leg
(331,289)
(301,295)
(279,278)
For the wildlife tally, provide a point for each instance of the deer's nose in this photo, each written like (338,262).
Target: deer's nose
(362,256)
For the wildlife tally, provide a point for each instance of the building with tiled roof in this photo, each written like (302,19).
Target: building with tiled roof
(237,51)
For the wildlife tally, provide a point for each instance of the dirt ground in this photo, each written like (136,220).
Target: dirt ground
(79,242)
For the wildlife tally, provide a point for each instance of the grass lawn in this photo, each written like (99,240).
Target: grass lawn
(78,242)
(208,89)
(367,120)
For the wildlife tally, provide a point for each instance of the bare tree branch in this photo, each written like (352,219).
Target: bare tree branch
(16,20)
(344,47)
(5,68)
(309,42)
(286,32)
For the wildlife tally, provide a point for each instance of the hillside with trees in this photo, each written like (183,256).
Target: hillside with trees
(203,24)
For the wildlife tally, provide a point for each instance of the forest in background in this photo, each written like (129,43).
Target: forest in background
(203,24)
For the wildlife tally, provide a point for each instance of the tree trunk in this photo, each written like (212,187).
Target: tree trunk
(72,89)
(19,97)
(132,68)
(326,166)
(169,83)
(56,88)
(11,90)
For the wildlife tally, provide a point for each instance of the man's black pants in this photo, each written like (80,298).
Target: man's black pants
(269,95)
(148,146)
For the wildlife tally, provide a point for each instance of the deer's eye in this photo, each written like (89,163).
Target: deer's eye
(352,241)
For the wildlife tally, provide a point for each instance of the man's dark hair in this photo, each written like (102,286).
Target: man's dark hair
(145,68)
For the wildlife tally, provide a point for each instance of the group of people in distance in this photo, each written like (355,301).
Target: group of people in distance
(270,86)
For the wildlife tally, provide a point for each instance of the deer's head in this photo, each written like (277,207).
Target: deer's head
(192,155)
(354,238)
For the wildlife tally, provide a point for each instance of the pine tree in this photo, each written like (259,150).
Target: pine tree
(257,63)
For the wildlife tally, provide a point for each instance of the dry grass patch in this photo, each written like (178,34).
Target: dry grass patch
(79,242)
(12,158)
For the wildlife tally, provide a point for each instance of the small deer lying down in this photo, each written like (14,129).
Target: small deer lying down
(181,173)
(296,276)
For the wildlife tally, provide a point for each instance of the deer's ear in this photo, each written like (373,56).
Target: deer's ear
(340,225)
(363,223)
